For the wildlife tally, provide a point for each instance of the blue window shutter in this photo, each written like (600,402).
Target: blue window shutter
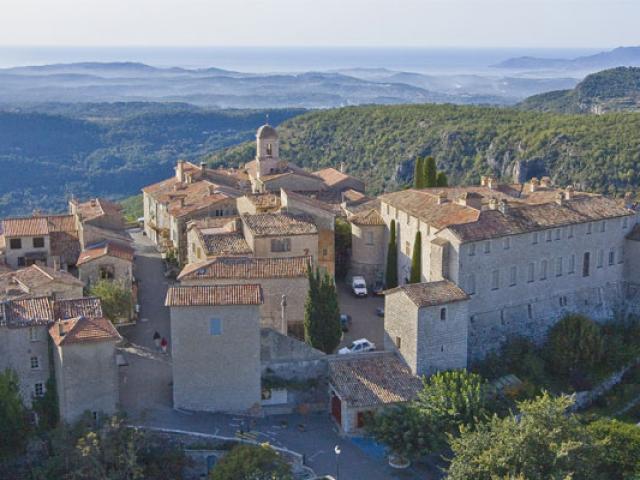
(215,326)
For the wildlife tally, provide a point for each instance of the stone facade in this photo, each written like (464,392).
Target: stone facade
(25,351)
(221,371)
(368,252)
(107,267)
(86,378)
(526,255)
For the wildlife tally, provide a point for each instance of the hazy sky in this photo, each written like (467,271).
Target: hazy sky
(482,23)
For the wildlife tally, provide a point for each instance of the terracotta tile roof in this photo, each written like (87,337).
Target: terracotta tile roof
(431,293)
(89,307)
(83,330)
(198,196)
(369,218)
(372,380)
(247,268)
(232,243)
(313,201)
(102,249)
(354,196)
(167,185)
(26,312)
(62,223)
(37,276)
(520,219)
(98,207)
(278,224)
(25,227)
(332,177)
(264,201)
(219,295)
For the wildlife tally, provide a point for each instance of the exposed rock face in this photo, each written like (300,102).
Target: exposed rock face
(524,169)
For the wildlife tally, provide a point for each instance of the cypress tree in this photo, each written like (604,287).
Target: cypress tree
(311,309)
(322,329)
(392,259)
(441,180)
(430,172)
(418,173)
(416,260)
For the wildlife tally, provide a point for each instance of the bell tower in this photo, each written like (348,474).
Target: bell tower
(267,150)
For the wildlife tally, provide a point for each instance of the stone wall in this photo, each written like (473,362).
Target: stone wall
(86,379)
(90,272)
(401,328)
(17,346)
(216,372)
(368,246)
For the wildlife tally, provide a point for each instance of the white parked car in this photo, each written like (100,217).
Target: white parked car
(359,286)
(358,346)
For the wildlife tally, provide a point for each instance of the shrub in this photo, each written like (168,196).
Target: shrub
(252,462)
(575,342)
(619,452)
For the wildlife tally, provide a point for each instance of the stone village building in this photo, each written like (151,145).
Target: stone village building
(500,261)
(84,359)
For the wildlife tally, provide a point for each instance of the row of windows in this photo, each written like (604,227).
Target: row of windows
(16,243)
(556,267)
(547,236)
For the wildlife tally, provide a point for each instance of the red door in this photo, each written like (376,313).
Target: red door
(336,408)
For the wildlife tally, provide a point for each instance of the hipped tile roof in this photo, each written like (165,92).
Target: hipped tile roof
(373,380)
(38,225)
(247,268)
(431,293)
(368,218)
(111,249)
(83,330)
(90,307)
(219,295)
(42,310)
(277,224)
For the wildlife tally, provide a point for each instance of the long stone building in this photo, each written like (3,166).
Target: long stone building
(524,255)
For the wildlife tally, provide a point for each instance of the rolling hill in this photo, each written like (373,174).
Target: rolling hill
(621,56)
(617,89)
(380,144)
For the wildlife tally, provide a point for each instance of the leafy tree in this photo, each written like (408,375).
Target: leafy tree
(392,258)
(619,452)
(418,173)
(543,442)
(252,462)
(416,260)
(574,344)
(441,180)
(430,172)
(116,299)
(447,401)
(322,328)
(14,424)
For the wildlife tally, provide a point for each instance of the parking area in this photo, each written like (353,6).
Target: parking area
(365,323)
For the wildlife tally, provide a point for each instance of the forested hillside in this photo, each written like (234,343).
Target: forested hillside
(107,149)
(617,89)
(380,143)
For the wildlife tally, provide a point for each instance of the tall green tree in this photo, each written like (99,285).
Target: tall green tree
(418,173)
(14,424)
(416,260)
(116,299)
(430,172)
(574,343)
(392,258)
(322,328)
(441,180)
(543,442)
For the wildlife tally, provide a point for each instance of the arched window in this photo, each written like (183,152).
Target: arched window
(269,149)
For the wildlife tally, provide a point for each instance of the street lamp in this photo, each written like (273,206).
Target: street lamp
(338,452)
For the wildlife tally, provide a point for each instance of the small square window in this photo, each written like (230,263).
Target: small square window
(15,243)
(35,363)
(38,242)
(215,326)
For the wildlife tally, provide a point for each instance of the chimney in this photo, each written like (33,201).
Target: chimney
(503,206)
(180,170)
(569,192)
(442,198)
(534,183)
(342,167)
(212,189)
(203,166)
(545,182)
(559,198)
(493,203)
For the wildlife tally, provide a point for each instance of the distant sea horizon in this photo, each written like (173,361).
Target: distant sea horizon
(290,59)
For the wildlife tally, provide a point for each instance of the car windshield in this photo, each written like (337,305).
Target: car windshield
(359,285)
(353,346)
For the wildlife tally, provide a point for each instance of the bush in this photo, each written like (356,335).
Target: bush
(251,462)
(619,452)
(574,343)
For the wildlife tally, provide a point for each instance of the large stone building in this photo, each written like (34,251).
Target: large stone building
(84,363)
(39,281)
(524,254)
(215,333)
(106,261)
(282,279)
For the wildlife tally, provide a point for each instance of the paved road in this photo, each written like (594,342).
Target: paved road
(365,322)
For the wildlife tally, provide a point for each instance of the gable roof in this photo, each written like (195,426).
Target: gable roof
(371,380)
(102,249)
(36,276)
(368,218)
(90,307)
(431,293)
(83,330)
(38,225)
(278,224)
(247,268)
(332,176)
(98,207)
(218,295)
(229,243)
(26,312)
